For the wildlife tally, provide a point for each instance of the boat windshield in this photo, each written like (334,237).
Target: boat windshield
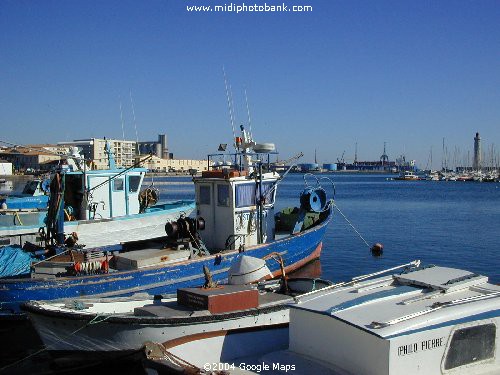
(247,194)
(30,187)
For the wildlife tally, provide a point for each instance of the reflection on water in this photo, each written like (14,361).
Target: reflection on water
(311,269)
(446,223)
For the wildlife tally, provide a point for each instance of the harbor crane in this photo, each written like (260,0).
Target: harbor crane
(341,160)
(293,158)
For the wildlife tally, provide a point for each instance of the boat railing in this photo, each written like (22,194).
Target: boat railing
(20,210)
(354,280)
(434,307)
(236,161)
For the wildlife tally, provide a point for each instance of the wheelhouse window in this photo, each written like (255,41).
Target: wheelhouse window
(134,183)
(246,194)
(30,187)
(223,195)
(471,344)
(118,184)
(205,194)
(268,196)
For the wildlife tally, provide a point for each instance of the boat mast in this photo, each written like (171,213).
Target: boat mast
(248,113)
(229,106)
(135,122)
(261,206)
(121,118)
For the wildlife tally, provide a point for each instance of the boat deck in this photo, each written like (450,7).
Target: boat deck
(397,304)
(172,309)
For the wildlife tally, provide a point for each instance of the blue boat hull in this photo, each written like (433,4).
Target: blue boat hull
(295,250)
(29,202)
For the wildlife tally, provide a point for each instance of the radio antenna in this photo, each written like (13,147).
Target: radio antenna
(133,114)
(121,117)
(248,113)
(229,105)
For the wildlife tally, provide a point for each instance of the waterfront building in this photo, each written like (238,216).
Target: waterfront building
(34,157)
(369,166)
(381,165)
(329,167)
(54,149)
(5,168)
(93,149)
(156,164)
(30,158)
(309,167)
(158,148)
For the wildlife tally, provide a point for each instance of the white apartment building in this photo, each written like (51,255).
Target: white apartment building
(94,149)
(157,164)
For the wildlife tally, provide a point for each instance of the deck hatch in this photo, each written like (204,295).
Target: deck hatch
(441,278)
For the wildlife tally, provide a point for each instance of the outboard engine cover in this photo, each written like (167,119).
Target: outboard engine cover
(247,269)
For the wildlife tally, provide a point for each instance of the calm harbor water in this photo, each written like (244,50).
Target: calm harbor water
(454,224)
(449,223)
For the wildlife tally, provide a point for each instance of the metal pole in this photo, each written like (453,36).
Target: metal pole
(261,202)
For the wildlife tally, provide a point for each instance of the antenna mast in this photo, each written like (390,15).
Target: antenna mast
(121,117)
(443,158)
(248,112)
(133,114)
(229,105)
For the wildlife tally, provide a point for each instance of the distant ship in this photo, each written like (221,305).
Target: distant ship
(379,166)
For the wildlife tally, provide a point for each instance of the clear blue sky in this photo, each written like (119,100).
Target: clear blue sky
(405,72)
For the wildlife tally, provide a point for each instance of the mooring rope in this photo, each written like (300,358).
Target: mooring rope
(97,319)
(179,361)
(352,226)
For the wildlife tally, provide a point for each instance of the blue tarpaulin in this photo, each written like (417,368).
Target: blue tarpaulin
(14,261)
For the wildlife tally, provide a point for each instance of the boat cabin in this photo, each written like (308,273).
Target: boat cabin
(111,193)
(435,320)
(99,194)
(236,198)
(238,209)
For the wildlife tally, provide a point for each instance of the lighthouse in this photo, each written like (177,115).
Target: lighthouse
(477,153)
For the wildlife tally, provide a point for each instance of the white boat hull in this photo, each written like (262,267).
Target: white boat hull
(429,320)
(139,227)
(104,232)
(101,335)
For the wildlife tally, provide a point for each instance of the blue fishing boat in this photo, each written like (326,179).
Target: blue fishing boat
(35,195)
(235,215)
(96,207)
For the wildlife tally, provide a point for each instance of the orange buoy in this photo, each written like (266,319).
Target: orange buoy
(377,249)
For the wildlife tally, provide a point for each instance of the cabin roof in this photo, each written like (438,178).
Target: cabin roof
(416,301)
(220,175)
